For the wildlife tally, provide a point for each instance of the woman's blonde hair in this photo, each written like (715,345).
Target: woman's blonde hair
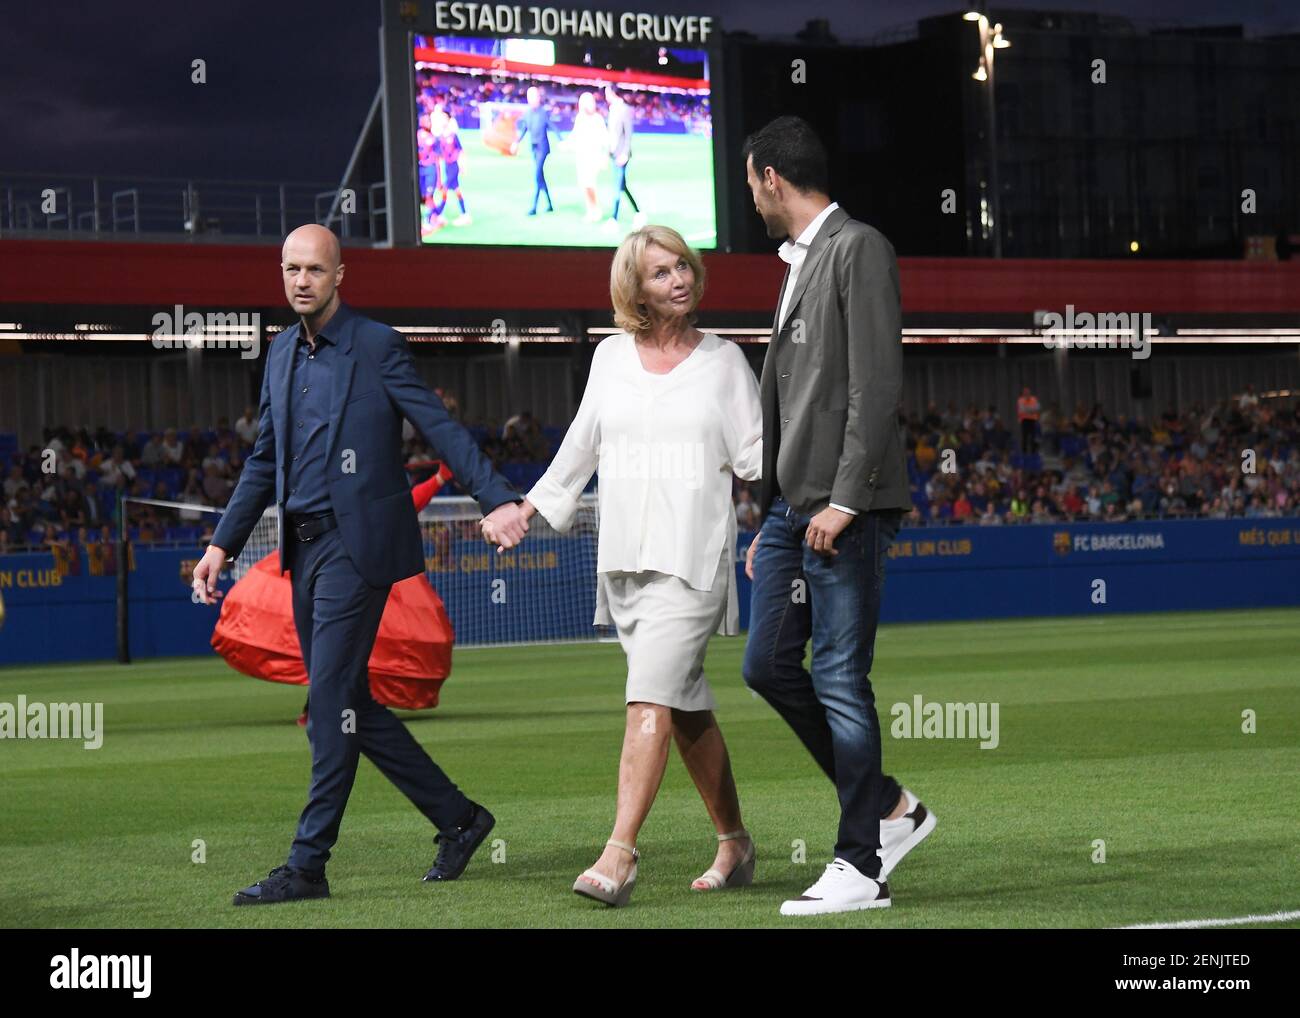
(630,314)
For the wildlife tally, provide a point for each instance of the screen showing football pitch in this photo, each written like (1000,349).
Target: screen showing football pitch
(556,143)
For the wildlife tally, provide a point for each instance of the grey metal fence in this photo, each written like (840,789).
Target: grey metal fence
(50,205)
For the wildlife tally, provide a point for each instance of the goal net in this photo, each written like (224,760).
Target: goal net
(543,591)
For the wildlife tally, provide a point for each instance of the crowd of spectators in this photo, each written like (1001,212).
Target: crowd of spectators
(1238,458)
(64,492)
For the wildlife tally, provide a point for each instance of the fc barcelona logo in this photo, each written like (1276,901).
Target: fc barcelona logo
(1061,542)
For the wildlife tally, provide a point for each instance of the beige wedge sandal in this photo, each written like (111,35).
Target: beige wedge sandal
(605,890)
(741,876)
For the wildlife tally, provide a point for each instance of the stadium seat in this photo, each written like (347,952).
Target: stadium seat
(1072,445)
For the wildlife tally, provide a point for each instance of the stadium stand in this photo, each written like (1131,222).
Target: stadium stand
(965,466)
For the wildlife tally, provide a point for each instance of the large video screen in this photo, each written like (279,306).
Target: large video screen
(557,143)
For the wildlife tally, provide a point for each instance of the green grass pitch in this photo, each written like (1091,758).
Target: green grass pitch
(670,175)
(1126,729)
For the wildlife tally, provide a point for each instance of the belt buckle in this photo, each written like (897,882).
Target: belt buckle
(298,528)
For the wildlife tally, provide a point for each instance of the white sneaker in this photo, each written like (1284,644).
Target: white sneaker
(898,837)
(842,888)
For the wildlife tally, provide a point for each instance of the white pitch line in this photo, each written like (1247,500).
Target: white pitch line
(1196,924)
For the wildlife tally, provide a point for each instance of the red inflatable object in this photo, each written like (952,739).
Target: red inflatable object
(412,654)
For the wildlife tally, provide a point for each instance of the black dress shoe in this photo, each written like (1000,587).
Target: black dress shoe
(284,883)
(455,847)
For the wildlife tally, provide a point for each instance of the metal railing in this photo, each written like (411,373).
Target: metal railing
(167,208)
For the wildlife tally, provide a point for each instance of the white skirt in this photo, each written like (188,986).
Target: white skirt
(664,625)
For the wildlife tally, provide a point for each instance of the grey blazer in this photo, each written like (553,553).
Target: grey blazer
(833,378)
(620,132)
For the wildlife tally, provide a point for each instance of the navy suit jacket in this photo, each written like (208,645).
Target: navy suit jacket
(537,122)
(375,386)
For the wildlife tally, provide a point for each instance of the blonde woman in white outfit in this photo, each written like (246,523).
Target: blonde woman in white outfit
(590,139)
(668,415)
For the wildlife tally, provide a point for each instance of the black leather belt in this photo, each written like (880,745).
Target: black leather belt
(308,528)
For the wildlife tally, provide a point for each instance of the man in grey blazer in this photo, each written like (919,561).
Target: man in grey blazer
(833,494)
(620,153)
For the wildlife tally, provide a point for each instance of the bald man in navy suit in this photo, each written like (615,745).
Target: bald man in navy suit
(537,122)
(329,451)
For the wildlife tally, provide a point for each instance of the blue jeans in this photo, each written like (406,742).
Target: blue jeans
(539,178)
(620,187)
(835,600)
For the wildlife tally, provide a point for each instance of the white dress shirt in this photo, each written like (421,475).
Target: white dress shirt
(666,447)
(793,254)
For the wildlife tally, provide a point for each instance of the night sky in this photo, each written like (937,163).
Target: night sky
(105,87)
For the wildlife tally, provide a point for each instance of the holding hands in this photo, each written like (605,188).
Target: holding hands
(506,525)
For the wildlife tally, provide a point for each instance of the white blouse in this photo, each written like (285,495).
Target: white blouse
(665,447)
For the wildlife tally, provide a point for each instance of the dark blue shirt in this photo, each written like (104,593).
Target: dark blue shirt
(309,416)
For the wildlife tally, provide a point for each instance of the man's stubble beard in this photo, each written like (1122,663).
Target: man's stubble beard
(319,308)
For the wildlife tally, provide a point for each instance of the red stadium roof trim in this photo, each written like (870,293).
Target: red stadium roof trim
(71,272)
(499,65)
